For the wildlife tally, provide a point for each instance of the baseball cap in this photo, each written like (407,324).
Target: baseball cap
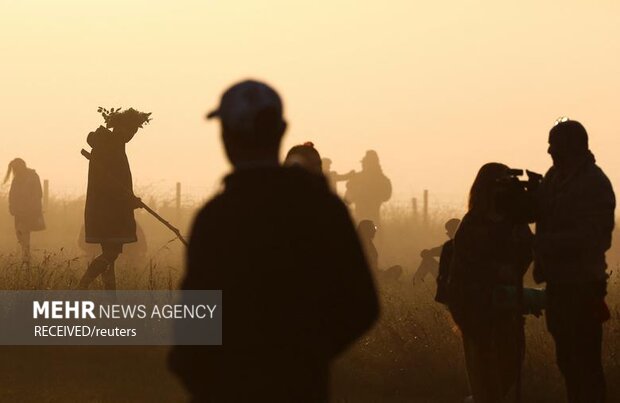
(242,103)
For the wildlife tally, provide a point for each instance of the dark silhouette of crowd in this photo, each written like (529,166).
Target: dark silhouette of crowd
(277,233)
(299,277)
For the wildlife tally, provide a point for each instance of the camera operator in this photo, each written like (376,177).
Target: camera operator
(574,223)
(492,252)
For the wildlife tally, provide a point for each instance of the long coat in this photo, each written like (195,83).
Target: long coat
(25,201)
(108,217)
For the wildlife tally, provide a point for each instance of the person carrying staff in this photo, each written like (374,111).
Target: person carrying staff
(110,202)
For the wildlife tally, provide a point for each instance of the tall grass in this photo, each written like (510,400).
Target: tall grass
(413,354)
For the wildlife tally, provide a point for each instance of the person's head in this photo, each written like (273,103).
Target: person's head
(366,230)
(451,226)
(371,161)
(326,163)
(17,167)
(484,190)
(306,157)
(125,123)
(568,143)
(252,123)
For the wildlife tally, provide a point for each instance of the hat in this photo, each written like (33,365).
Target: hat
(242,103)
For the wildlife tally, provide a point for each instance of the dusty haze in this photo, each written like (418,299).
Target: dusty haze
(436,88)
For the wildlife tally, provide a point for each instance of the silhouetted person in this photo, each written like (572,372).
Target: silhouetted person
(429,265)
(110,202)
(573,231)
(445,262)
(491,254)
(367,231)
(334,177)
(282,248)
(306,157)
(368,189)
(25,203)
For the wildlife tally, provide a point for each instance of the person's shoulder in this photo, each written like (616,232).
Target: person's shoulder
(549,175)
(597,173)
(99,136)
(210,209)
(473,223)
(302,176)
(314,190)
(469,217)
(551,171)
(304,184)
(208,219)
(596,177)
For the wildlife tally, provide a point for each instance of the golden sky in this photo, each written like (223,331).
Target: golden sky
(437,88)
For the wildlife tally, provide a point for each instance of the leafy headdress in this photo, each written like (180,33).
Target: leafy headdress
(129,118)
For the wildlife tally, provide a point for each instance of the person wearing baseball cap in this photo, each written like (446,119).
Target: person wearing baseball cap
(252,123)
(283,249)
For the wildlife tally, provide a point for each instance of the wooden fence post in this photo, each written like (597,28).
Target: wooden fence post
(178,200)
(425,208)
(46,193)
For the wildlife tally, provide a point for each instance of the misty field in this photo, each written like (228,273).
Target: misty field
(414,353)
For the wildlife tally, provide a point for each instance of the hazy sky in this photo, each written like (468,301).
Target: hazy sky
(437,88)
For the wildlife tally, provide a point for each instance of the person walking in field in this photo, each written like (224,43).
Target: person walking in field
(429,265)
(110,202)
(282,248)
(25,203)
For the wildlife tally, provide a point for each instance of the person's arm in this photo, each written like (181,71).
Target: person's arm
(336,177)
(433,252)
(352,306)
(426,266)
(37,189)
(12,198)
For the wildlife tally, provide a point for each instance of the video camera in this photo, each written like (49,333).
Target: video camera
(516,198)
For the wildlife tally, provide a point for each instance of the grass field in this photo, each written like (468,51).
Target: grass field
(413,354)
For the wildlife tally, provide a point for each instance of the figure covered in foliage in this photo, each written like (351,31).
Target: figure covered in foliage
(110,202)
